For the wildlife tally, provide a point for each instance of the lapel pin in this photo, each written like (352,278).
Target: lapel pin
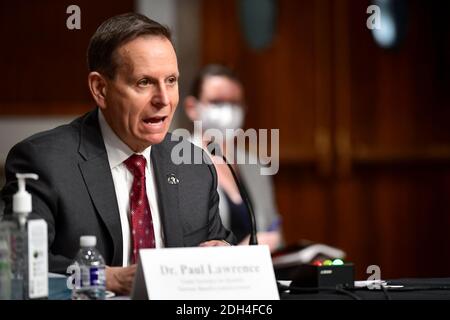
(172,179)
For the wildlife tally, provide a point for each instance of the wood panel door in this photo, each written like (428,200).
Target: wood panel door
(364,140)
(392,141)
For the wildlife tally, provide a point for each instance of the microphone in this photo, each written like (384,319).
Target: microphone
(242,191)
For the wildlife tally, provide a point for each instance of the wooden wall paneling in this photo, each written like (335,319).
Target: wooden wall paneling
(399,101)
(304,205)
(355,229)
(353,208)
(395,223)
(382,194)
(342,86)
(43,63)
(279,79)
(220,32)
(323,82)
(432,220)
(282,92)
(412,223)
(383,99)
(397,133)
(290,79)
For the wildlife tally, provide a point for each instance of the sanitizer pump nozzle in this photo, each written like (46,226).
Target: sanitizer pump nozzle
(22,203)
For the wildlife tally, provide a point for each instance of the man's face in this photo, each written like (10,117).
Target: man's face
(141,99)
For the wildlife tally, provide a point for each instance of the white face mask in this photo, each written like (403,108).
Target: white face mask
(221,116)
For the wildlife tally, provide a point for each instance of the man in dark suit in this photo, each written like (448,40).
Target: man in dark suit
(110,173)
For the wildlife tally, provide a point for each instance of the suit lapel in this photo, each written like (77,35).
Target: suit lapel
(98,179)
(166,172)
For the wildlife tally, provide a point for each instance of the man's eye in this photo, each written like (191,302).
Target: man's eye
(143,82)
(172,80)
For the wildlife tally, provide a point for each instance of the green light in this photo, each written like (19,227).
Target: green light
(338,262)
(327,263)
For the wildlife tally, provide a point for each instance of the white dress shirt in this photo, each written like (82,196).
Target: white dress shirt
(118,152)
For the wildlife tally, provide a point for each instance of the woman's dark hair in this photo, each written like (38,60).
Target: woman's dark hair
(115,32)
(210,71)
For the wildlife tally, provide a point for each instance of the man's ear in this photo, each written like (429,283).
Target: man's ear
(97,86)
(189,105)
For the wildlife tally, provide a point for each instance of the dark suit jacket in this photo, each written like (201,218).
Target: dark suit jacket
(75,192)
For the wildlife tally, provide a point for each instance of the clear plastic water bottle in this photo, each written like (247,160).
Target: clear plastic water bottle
(92,282)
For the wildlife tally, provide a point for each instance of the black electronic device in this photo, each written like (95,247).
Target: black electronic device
(286,261)
(324,275)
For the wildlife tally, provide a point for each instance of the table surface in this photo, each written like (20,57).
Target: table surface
(413,289)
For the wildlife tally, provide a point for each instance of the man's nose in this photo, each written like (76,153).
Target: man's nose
(161,97)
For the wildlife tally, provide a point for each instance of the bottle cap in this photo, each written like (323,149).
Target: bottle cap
(88,241)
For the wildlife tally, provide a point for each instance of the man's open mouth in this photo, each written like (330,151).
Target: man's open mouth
(155,120)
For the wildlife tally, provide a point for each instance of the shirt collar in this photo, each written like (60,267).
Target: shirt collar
(116,149)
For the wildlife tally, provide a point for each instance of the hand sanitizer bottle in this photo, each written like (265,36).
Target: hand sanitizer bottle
(5,263)
(29,247)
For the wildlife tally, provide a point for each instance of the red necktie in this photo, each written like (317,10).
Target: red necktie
(142,232)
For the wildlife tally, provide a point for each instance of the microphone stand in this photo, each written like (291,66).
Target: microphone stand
(245,198)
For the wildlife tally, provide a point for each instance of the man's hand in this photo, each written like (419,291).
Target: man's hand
(120,279)
(214,243)
(271,238)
